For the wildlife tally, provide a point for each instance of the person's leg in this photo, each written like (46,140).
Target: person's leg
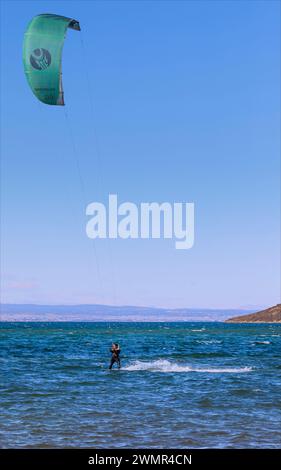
(119,363)
(111,363)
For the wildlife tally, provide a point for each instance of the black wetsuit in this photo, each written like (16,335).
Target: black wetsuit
(115,358)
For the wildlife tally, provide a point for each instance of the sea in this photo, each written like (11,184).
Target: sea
(181,385)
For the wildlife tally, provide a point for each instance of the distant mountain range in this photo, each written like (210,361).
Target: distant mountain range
(270,315)
(32,312)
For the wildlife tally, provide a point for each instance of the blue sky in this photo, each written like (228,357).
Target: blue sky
(186,107)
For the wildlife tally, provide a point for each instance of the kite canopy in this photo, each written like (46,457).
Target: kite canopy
(42,54)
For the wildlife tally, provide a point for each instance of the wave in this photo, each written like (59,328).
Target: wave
(162,365)
(211,341)
(262,342)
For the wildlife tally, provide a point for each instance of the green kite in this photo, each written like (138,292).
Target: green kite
(42,54)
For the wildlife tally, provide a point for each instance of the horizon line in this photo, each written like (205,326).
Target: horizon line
(244,308)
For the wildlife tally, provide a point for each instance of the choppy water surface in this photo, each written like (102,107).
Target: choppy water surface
(190,385)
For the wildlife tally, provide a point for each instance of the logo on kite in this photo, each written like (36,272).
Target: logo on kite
(40,59)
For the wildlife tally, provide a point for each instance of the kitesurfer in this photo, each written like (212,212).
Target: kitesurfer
(115,351)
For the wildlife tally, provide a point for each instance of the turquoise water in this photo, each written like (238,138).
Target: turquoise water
(190,385)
